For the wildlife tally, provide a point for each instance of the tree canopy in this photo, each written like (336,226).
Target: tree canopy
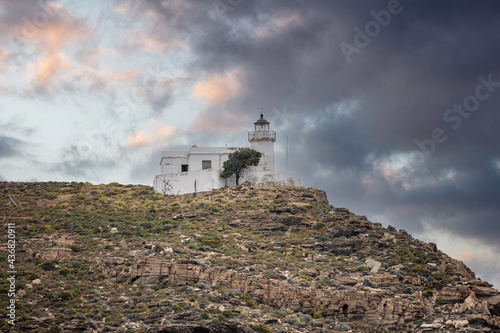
(238,161)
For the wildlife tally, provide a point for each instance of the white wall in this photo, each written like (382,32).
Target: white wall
(273,178)
(195,161)
(207,180)
(186,182)
(172,164)
(267,160)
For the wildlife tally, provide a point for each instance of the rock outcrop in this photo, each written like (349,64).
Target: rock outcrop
(243,259)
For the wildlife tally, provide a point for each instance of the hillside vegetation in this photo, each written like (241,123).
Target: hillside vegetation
(120,258)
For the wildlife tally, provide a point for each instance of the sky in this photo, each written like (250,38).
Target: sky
(391,107)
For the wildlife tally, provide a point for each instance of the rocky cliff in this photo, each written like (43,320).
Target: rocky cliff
(243,259)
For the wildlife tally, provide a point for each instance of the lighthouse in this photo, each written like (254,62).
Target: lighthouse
(198,170)
(262,140)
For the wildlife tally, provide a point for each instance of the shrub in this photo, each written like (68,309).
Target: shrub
(66,295)
(75,248)
(64,272)
(272,274)
(346,326)
(212,241)
(261,328)
(48,266)
(256,314)
(318,225)
(428,293)
(55,329)
(248,300)
(204,315)
(417,268)
(438,300)
(215,321)
(179,307)
(228,314)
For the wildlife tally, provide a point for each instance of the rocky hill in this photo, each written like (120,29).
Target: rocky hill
(120,258)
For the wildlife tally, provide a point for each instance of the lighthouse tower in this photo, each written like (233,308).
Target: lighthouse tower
(262,140)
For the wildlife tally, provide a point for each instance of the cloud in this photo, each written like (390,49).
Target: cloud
(49,25)
(4,55)
(149,42)
(84,164)
(142,139)
(154,89)
(279,24)
(48,41)
(47,71)
(217,122)
(10,147)
(218,88)
(58,72)
(469,256)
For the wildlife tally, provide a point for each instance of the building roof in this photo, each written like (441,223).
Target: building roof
(198,151)
(261,120)
(174,153)
(212,150)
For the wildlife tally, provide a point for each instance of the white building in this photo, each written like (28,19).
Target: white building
(198,170)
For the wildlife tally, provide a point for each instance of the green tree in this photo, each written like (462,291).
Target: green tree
(238,161)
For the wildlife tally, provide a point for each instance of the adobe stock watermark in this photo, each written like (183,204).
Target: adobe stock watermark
(283,117)
(453,117)
(41,18)
(363,37)
(156,82)
(30,25)
(12,272)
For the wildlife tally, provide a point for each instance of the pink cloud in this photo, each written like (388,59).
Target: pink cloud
(222,122)
(143,139)
(471,257)
(150,42)
(55,31)
(218,88)
(47,71)
(3,56)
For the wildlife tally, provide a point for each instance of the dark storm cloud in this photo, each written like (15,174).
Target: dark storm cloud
(155,89)
(10,147)
(81,163)
(427,58)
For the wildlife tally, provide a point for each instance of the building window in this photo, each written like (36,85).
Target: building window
(184,168)
(206,164)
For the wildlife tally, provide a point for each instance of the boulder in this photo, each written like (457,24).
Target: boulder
(54,253)
(484,291)
(374,265)
(472,302)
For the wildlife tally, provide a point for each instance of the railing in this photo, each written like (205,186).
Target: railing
(255,135)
